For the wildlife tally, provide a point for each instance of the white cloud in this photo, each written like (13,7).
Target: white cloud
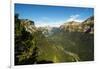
(74,18)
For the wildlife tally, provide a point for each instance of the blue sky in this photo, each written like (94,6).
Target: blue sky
(44,15)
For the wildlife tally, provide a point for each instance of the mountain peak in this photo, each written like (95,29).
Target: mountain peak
(74,26)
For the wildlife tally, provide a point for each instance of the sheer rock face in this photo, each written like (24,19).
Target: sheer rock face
(88,23)
(71,26)
(28,25)
(79,27)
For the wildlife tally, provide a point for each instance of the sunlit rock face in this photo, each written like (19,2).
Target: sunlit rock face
(73,26)
(29,25)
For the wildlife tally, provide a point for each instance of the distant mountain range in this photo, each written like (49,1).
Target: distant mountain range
(71,26)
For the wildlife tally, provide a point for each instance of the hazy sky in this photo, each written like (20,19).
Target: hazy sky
(44,15)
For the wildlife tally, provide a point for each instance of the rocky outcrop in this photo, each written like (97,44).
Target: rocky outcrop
(71,26)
